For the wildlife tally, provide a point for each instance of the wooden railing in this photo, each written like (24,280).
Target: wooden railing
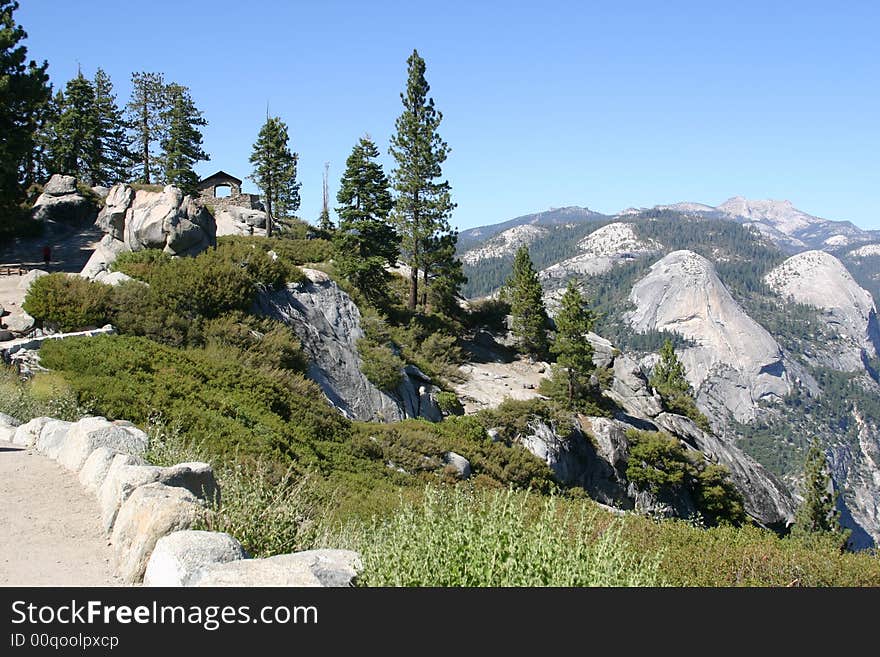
(10,270)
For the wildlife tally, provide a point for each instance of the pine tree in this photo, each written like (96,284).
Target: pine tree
(445,273)
(423,204)
(275,171)
(325,223)
(182,143)
(24,94)
(144,112)
(669,374)
(365,242)
(525,295)
(817,513)
(115,158)
(75,148)
(572,349)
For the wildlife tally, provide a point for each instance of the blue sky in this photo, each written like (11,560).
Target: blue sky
(607,105)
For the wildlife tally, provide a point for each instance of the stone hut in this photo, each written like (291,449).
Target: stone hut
(208,187)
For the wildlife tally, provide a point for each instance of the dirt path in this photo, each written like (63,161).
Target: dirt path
(72,246)
(50,531)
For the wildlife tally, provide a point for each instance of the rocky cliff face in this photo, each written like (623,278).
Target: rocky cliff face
(327,322)
(504,244)
(818,279)
(134,220)
(738,359)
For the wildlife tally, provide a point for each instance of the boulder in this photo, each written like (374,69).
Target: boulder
(108,500)
(120,482)
(114,278)
(103,256)
(52,438)
(101,191)
(95,469)
(90,433)
(301,569)
(328,324)
(151,512)
(234,220)
(459,463)
(6,336)
(26,434)
(630,389)
(603,350)
(178,557)
(24,282)
(134,220)
(19,323)
(61,201)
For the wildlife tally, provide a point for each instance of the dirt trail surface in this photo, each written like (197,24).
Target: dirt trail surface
(72,246)
(50,532)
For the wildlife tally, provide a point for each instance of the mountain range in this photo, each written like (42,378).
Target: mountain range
(772,311)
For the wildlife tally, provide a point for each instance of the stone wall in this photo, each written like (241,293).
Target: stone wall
(249,201)
(149,513)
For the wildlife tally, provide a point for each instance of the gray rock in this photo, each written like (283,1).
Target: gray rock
(629,389)
(493,434)
(103,256)
(6,336)
(111,219)
(61,201)
(60,185)
(328,324)
(178,557)
(115,278)
(95,469)
(101,191)
(765,498)
(150,512)
(52,438)
(603,350)
(25,281)
(88,434)
(122,481)
(26,434)
(681,293)
(9,421)
(234,220)
(459,463)
(19,323)
(818,279)
(313,568)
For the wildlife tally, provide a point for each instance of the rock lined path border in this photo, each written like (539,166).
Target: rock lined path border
(146,520)
(51,527)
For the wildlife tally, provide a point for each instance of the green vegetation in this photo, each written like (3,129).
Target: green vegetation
(68,303)
(365,242)
(817,514)
(668,378)
(45,395)
(528,315)
(573,351)
(658,463)
(26,93)
(423,203)
(275,171)
(454,538)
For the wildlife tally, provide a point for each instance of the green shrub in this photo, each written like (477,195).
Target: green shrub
(382,367)
(293,251)
(657,462)
(449,403)
(489,313)
(68,303)
(45,395)
(142,265)
(458,538)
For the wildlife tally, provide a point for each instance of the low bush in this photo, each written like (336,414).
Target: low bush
(380,364)
(461,538)
(45,395)
(69,303)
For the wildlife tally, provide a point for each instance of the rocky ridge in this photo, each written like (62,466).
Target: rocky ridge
(601,250)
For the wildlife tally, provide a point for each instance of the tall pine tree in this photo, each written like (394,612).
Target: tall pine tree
(424,203)
(572,349)
(115,158)
(817,514)
(275,171)
(529,316)
(75,147)
(365,242)
(24,94)
(669,374)
(182,142)
(144,115)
